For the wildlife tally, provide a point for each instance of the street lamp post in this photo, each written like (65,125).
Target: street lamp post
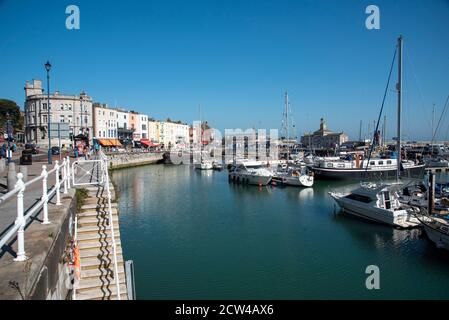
(8,133)
(48,67)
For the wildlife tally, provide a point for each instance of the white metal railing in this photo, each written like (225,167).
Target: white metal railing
(83,169)
(19,191)
(104,167)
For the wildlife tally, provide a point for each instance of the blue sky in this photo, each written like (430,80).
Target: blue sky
(235,58)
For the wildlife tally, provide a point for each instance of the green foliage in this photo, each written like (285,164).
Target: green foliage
(81,195)
(9,106)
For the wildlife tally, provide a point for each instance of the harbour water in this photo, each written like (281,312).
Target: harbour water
(193,235)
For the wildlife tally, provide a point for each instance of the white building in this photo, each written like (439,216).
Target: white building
(105,122)
(174,134)
(72,109)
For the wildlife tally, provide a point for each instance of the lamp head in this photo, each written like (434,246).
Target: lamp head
(48,66)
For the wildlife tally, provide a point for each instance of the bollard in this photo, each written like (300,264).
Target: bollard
(12,176)
(20,221)
(57,184)
(24,171)
(44,175)
(64,175)
(68,172)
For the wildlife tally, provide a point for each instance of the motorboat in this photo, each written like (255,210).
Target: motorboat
(295,176)
(250,172)
(217,166)
(379,203)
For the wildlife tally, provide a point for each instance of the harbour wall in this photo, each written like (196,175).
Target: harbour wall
(44,275)
(127,160)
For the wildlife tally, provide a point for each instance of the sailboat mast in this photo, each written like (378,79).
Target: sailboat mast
(399,89)
(287,125)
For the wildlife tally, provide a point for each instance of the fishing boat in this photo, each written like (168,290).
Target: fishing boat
(437,163)
(250,172)
(377,202)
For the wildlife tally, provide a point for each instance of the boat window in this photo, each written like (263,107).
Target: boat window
(358,197)
(329,165)
(372,163)
(381,162)
(341,165)
(387,200)
(388,161)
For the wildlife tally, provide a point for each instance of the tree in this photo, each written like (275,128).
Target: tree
(9,106)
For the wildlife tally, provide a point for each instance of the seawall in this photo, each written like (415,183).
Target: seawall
(127,160)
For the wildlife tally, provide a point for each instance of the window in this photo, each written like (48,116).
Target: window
(69,118)
(70,107)
(85,119)
(357,197)
(381,163)
(388,161)
(61,106)
(44,118)
(62,118)
(372,163)
(44,106)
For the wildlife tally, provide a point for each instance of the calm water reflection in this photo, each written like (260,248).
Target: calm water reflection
(192,235)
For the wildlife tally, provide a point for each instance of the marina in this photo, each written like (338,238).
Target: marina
(195,235)
(236,151)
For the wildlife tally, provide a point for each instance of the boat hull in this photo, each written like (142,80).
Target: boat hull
(358,174)
(438,237)
(399,220)
(252,179)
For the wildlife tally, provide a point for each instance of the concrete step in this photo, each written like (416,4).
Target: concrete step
(97,236)
(90,229)
(95,244)
(105,282)
(104,262)
(103,272)
(97,251)
(93,205)
(97,294)
(94,213)
(94,221)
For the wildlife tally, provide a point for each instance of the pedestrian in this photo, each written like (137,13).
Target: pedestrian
(75,151)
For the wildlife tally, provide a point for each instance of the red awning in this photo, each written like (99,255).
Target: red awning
(148,143)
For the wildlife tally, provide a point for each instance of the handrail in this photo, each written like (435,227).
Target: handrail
(104,167)
(22,218)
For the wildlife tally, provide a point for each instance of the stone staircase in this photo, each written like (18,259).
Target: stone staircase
(96,252)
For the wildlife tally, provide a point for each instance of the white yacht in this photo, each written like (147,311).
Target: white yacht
(377,202)
(295,176)
(250,172)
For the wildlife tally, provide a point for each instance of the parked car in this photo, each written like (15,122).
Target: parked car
(32,147)
(55,151)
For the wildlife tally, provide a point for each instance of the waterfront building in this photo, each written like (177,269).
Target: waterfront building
(174,134)
(124,131)
(323,138)
(153,130)
(76,110)
(106,125)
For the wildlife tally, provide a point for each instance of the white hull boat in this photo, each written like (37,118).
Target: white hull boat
(377,203)
(437,230)
(250,172)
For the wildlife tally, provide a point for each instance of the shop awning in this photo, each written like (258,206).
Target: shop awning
(109,143)
(148,143)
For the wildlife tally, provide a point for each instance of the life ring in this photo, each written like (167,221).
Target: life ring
(76,263)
